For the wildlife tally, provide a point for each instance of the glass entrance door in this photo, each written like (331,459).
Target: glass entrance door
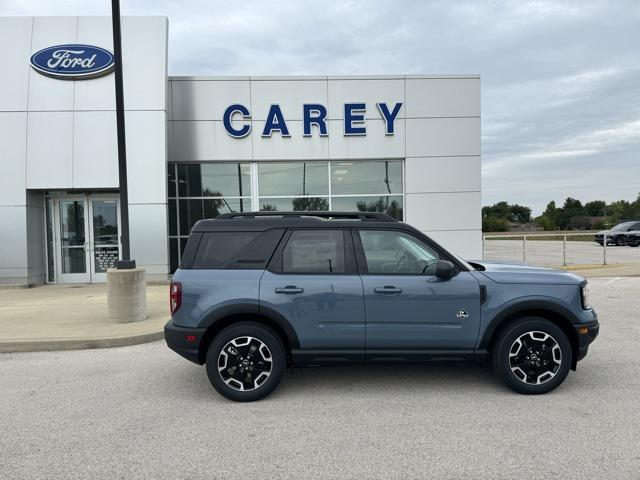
(87,237)
(105,239)
(72,242)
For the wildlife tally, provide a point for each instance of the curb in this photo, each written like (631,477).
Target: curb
(55,344)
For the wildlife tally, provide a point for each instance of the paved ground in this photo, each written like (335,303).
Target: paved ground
(548,252)
(56,317)
(143,412)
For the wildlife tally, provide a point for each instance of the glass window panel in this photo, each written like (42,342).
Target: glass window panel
(72,222)
(190,212)
(294,204)
(105,222)
(314,251)
(189,180)
(173,254)
(173,218)
(171,181)
(73,260)
(226,179)
(50,264)
(350,178)
(308,178)
(396,252)
(391,205)
(215,207)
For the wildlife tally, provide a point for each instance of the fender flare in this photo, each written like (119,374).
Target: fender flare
(522,305)
(212,318)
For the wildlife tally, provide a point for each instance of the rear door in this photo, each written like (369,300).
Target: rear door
(313,282)
(407,306)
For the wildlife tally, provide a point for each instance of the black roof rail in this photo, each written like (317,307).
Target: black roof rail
(363,216)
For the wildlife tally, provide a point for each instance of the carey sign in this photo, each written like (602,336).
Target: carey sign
(73,62)
(237,119)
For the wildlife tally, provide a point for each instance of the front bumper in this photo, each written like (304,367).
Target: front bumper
(587,333)
(184,341)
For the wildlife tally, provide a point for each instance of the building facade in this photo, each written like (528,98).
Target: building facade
(407,145)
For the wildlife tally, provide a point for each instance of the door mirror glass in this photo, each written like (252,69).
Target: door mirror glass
(445,269)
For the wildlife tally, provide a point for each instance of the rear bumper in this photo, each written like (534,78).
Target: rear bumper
(587,333)
(184,341)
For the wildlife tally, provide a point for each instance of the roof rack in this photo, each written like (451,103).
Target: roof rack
(362,216)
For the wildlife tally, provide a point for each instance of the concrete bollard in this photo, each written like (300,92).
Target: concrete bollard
(126,295)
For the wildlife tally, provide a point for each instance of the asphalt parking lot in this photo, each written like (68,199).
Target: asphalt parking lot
(549,252)
(143,412)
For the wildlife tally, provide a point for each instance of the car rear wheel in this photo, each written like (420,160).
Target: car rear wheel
(245,362)
(532,355)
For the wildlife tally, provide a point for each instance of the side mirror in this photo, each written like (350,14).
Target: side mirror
(445,269)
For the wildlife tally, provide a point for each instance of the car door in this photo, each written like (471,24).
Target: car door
(313,283)
(407,306)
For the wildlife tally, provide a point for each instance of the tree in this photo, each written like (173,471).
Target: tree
(495,224)
(597,208)
(511,213)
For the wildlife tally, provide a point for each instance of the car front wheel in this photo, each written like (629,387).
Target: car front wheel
(245,362)
(532,355)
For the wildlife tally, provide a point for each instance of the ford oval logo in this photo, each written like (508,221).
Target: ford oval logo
(73,62)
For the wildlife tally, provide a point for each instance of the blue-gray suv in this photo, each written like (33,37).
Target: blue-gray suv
(258,292)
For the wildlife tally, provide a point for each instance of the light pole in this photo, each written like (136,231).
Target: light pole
(126,262)
(126,288)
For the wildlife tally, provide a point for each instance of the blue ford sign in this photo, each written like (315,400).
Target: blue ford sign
(73,62)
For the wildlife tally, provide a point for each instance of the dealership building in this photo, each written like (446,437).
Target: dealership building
(406,145)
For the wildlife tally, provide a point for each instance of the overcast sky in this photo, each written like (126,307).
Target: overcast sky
(560,80)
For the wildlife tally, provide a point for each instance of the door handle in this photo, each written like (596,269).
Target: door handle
(289,289)
(387,289)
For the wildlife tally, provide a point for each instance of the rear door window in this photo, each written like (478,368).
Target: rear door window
(314,251)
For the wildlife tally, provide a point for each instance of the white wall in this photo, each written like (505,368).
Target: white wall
(437,132)
(61,134)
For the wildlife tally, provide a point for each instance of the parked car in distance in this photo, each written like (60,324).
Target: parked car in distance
(632,238)
(257,293)
(615,236)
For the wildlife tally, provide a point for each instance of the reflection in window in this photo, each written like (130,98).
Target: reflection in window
(294,204)
(391,205)
(379,177)
(293,179)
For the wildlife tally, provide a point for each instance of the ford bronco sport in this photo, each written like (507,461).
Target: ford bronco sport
(258,292)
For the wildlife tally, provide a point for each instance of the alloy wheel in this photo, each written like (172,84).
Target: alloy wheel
(245,363)
(535,357)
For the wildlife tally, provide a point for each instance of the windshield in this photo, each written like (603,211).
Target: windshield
(622,226)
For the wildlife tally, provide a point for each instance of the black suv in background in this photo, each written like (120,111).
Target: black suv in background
(616,236)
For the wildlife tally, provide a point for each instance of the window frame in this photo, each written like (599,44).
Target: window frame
(253,198)
(361,258)
(276,264)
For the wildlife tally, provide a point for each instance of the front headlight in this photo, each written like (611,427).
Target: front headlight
(584,294)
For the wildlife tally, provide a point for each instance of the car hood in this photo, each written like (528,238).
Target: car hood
(502,272)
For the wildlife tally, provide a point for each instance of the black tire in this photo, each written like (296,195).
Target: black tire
(232,339)
(521,380)
(634,244)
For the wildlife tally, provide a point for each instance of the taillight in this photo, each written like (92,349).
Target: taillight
(175,296)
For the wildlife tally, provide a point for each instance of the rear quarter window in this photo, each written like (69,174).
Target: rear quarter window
(236,250)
